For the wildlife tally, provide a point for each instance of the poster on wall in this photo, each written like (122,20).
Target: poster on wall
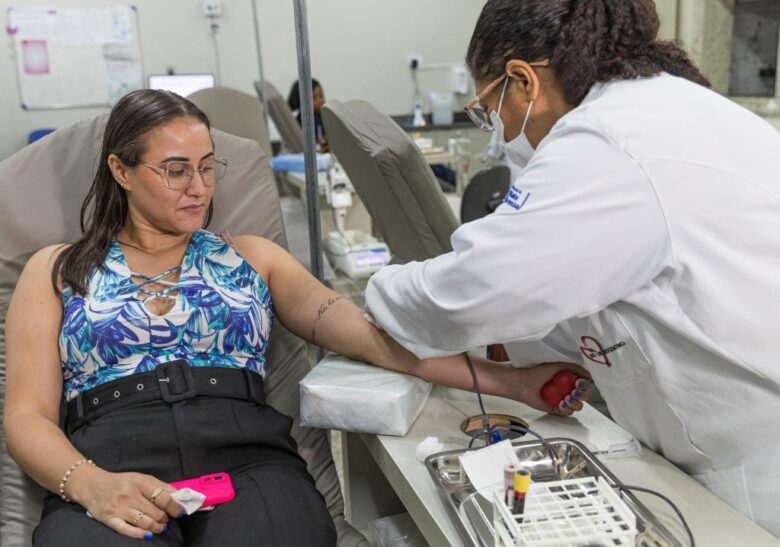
(75,57)
(35,57)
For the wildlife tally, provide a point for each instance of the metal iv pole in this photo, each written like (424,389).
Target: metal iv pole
(263,96)
(309,149)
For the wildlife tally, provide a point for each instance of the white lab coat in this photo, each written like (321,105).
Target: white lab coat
(642,240)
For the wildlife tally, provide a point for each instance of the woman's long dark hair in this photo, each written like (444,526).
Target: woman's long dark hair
(587,41)
(104,211)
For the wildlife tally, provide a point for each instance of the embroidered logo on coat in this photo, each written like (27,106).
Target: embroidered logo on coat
(594,351)
(516,198)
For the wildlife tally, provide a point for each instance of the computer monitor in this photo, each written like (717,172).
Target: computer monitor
(181,84)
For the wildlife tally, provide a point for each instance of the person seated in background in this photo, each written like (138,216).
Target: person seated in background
(318,98)
(147,305)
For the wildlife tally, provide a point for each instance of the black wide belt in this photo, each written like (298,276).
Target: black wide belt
(171,382)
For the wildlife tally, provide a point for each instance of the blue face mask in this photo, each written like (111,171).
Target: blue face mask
(519,150)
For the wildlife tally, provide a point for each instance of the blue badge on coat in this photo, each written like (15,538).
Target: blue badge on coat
(516,198)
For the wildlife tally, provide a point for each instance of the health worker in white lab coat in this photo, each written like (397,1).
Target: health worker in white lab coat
(641,240)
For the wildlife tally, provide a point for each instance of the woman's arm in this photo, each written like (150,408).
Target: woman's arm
(34,377)
(320,316)
(33,393)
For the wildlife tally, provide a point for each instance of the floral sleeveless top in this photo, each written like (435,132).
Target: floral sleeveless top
(222,316)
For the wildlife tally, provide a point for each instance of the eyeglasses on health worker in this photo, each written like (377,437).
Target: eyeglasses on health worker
(642,239)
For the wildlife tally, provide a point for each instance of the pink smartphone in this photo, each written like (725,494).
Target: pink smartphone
(217,487)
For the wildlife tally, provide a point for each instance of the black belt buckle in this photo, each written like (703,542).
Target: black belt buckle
(166,372)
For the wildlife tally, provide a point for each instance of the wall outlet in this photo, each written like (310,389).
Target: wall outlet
(459,80)
(414,61)
(212,8)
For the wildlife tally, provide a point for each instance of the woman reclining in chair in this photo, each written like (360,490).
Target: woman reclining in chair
(126,323)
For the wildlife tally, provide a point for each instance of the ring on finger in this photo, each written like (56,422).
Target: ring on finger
(156,493)
(138,516)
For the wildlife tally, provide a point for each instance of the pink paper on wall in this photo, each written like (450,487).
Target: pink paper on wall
(35,57)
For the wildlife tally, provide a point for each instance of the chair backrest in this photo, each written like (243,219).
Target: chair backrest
(485,192)
(282,116)
(41,189)
(392,178)
(234,112)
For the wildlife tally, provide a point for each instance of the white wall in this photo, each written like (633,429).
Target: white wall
(667,13)
(358,49)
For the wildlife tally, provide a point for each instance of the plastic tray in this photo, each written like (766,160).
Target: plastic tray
(561,513)
(473,512)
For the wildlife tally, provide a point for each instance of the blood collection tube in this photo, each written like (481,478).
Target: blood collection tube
(520,486)
(509,481)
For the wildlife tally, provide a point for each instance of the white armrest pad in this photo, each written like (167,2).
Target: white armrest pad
(343,394)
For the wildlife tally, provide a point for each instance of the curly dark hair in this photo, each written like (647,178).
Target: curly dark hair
(586,41)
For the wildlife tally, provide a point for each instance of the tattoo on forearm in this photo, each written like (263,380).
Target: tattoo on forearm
(320,312)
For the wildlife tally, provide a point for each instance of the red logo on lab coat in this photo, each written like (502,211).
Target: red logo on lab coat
(594,351)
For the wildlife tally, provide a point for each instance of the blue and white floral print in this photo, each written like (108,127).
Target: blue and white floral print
(222,317)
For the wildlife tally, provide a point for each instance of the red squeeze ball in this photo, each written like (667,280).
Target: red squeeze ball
(559,387)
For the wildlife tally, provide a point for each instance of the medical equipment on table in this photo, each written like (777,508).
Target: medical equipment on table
(489,431)
(472,511)
(583,511)
(507,426)
(521,485)
(353,252)
(475,506)
(509,482)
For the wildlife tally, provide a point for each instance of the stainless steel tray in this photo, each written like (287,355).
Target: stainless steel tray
(474,514)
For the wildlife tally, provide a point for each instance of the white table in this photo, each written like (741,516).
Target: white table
(382,477)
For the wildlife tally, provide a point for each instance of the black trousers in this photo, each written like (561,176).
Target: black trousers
(276,502)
